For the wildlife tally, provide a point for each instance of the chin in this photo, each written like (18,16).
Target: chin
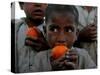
(38,21)
(39,17)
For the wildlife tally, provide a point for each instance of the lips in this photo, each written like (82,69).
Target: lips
(38,12)
(60,44)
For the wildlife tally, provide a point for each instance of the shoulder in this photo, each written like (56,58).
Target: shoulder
(20,24)
(17,22)
(85,59)
(81,51)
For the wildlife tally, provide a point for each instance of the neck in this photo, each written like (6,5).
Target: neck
(31,22)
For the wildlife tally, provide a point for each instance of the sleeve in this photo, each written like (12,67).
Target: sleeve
(36,67)
(88,62)
(23,60)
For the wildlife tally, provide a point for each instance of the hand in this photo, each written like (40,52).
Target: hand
(38,43)
(88,33)
(66,62)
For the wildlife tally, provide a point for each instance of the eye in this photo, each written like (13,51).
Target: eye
(53,28)
(69,30)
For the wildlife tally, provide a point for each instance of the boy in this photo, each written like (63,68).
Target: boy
(88,23)
(61,28)
(26,46)
(34,17)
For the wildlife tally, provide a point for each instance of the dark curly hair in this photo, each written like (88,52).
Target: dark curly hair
(55,8)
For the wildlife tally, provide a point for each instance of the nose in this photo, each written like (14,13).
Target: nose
(61,38)
(38,4)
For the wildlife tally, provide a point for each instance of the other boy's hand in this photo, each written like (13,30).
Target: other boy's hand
(88,34)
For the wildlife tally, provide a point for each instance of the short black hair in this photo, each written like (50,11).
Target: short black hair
(61,9)
(21,5)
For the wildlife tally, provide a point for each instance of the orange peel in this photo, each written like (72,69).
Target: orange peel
(32,32)
(58,51)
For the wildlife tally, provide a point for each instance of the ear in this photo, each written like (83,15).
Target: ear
(21,5)
(77,34)
(44,29)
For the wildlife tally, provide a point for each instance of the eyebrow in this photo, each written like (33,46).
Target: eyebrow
(53,26)
(70,27)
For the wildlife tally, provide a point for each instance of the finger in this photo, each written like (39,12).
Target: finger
(93,28)
(61,59)
(93,24)
(65,65)
(61,64)
(71,52)
(93,32)
(69,65)
(90,28)
(30,42)
(94,39)
(35,39)
(72,58)
(93,36)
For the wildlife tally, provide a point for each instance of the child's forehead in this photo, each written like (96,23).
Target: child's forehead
(61,13)
(63,16)
(62,19)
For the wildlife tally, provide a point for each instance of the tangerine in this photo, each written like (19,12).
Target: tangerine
(58,51)
(32,32)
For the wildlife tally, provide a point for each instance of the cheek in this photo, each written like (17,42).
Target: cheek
(71,39)
(51,38)
(28,9)
(44,8)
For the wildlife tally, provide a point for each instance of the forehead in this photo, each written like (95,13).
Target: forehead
(65,16)
(62,18)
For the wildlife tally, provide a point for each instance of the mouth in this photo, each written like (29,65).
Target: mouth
(38,12)
(60,44)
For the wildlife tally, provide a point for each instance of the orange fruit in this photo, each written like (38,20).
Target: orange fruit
(58,51)
(32,32)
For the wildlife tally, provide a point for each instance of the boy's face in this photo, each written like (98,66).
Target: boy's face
(60,29)
(34,10)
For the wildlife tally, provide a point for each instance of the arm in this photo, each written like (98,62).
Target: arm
(88,33)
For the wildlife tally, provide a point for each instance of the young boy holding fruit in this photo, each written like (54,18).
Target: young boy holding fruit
(29,39)
(61,33)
